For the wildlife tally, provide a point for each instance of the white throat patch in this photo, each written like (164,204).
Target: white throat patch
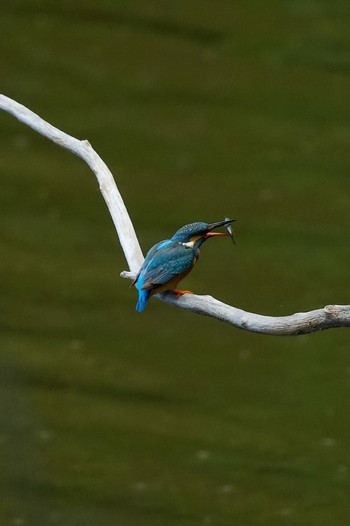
(190,244)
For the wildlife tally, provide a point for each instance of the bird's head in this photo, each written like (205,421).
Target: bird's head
(195,234)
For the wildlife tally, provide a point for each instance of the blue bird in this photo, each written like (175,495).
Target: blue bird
(169,261)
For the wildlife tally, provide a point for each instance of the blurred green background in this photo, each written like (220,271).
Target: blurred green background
(202,110)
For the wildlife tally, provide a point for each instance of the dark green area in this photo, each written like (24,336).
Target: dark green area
(202,110)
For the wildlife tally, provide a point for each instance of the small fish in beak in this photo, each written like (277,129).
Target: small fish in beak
(229,230)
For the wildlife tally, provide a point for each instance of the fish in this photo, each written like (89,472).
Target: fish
(229,230)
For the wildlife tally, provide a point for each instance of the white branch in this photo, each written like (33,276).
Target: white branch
(109,190)
(300,323)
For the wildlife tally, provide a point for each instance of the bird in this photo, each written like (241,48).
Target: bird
(169,261)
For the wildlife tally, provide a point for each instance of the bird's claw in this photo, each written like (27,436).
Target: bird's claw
(179,292)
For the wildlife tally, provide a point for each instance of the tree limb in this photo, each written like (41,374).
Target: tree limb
(329,317)
(109,190)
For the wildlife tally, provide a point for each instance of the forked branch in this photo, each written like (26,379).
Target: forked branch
(300,323)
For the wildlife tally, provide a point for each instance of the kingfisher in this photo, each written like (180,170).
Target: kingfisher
(169,261)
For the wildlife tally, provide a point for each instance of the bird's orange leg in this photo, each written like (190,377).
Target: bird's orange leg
(180,292)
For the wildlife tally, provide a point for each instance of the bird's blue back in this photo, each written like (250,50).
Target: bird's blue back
(163,262)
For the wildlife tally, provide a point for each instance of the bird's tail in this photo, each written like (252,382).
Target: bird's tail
(142,301)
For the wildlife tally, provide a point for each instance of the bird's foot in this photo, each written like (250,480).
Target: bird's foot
(179,292)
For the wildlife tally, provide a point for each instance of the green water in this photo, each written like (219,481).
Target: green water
(202,110)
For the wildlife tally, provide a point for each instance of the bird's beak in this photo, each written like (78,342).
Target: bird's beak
(216,234)
(226,222)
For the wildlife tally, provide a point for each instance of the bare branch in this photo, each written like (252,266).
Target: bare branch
(109,190)
(329,317)
(304,322)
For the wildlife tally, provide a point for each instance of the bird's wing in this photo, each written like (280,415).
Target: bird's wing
(164,265)
(149,256)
